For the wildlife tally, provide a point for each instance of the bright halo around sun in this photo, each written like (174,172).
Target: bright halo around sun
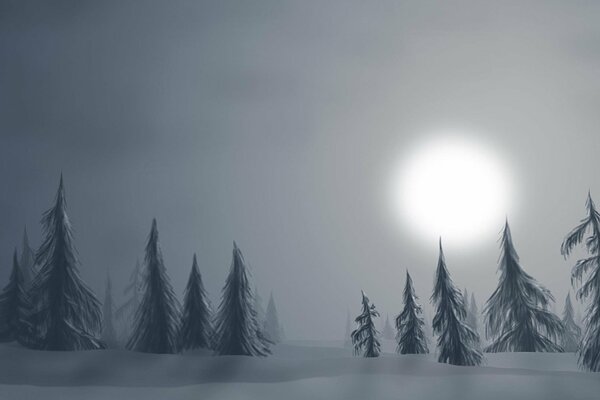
(453,188)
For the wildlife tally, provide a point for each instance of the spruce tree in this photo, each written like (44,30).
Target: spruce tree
(133,294)
(65,315)
(410,324)
(458,344)
(586,273)
(516,314)
(13,305)
(473,314)
(237,330)
(27,261)
(258,307)
(109,334)
(272,326)
(388,331)
(196,330)
(365,337)
(156,319)
(571,333)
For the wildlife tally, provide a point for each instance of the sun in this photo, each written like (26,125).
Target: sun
(454,188)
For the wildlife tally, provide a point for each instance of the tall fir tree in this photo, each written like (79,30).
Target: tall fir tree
(458,344)
(237,329)
(571,334)
(109,334)
(387,331)
(27,261)
(272,326)
(410,324)
(348,333)
(65,314)
(586,273)
(473,314)
(156,319)
(365,338)
(14,305)
(196,331)
(516,314)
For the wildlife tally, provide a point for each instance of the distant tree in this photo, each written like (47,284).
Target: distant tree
(365,337)
(272,326)
(133,294)
(196,331)
(458,344)
(27,261)
(156,319)
(13,305)
(109,334)
(571,334)
(237,330)
(516,314)
(586,273)
(258,307)
(348,335)
(473,314)
(465,295)
(410,324)
(65,315)
(388,331)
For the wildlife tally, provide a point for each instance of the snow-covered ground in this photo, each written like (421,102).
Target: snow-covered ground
(299,370)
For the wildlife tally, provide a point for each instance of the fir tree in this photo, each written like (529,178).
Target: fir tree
(473,314)
(65,315)
(272,326)
(457,342)
(133,293)
(516,314)
(586,272)
(109,334)
(155,328)
(410,324)
(388,331)
(196,330)
(13,305)
(27,261)
(237,329)
(348,335)
(571,333)
(365,337)
(258,307)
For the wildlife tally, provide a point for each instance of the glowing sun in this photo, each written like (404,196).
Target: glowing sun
(454,188)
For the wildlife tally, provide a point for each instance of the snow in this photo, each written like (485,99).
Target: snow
(295,371)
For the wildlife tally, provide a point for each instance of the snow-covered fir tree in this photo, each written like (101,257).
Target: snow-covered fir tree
(365,338)
(133,294)
(586,273)
(387,332)
(516,314)
(409,323)
(196,331)
(272,326)
(237,329)
(157,317)
(109,334)
(13,305)
(27,261)
(458,344)
(65,314)
(348,334)
(571,333)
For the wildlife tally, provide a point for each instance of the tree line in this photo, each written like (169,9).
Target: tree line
(47,306)
(517,315)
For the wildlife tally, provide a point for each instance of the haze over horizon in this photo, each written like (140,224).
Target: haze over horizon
(278,125)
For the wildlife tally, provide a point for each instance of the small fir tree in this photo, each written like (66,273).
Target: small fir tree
(196,327)
(133,293)
(571,334)
(388,331)
(348,335)
(27,261)
(109,334)
(410,324)
(365,337)
(65,314)
(237,329)
(272,326)
(473,314)
(258,307)
(458,344)
(156,319)
(516,314)
(586,272)
(13,305)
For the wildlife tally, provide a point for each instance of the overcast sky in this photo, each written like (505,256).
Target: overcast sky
(277,124)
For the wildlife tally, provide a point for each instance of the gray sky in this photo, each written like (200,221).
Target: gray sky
(277,124)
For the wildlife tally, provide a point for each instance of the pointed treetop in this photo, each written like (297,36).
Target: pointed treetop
(25,238)
(195,263)
(408,278)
